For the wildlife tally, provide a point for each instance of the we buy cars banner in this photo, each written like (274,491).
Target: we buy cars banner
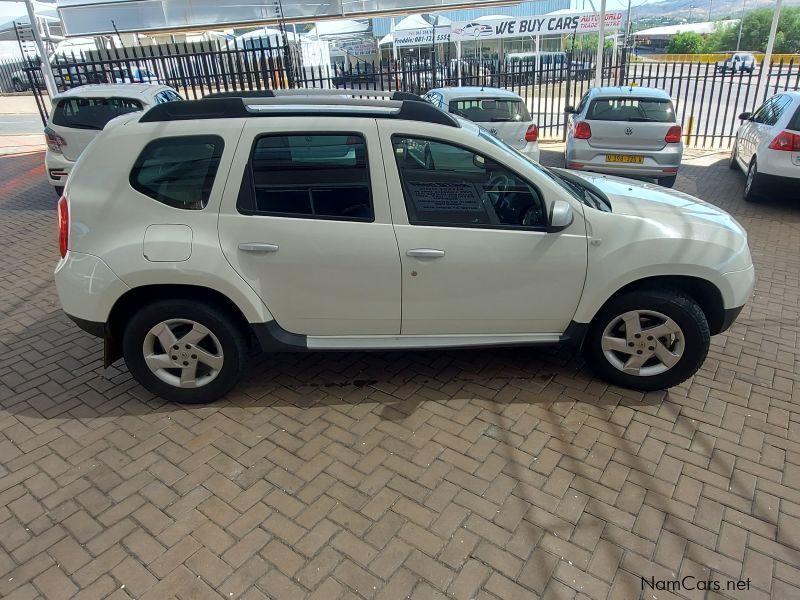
(531,26)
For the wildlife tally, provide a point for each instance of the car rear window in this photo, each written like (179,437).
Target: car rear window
(485,110)
(794,124)
(178,171)
(631,109)
(92,113)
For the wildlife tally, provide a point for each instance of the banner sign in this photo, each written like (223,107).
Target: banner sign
(421,37)
(531,26)
(358,48)
(506,28)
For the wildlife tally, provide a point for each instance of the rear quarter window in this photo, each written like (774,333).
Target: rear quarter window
(178,171)
(631,109)
(91,113)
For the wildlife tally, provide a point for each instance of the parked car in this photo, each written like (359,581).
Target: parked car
(191,229)
(133,74)
(767,145)
(739,62)
(81,112)
(356,74)
(501,112)
(629,131)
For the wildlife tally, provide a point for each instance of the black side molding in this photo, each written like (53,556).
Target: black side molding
(274,338)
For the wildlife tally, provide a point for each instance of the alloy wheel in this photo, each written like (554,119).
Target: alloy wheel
(183,353)
(643,343)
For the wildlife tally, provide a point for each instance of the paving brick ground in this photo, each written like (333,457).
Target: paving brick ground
(495,474)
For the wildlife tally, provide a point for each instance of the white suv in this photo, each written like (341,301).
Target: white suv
(308,221)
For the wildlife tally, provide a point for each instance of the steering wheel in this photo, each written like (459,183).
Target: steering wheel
(498,185)
(532,215)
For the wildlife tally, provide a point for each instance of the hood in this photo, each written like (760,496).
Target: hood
(675,213)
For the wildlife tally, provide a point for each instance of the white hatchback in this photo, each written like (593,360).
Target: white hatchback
(767,145)
(501,112)
(307,221)
(81,112)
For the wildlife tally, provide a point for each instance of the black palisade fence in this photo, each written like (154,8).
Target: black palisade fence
(707,100)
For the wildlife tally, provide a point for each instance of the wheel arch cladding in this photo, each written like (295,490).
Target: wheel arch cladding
(705,293)
(137,297)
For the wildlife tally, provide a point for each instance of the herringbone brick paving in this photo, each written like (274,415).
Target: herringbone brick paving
(495,474)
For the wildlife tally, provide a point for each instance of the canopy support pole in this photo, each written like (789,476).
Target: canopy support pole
(601,41)
(765,69)
(47,72)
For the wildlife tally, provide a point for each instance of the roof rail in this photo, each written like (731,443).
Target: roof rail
(318,92)
(268,103)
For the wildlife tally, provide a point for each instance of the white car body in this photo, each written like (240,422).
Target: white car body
(511,132)
(381,281)
(767,144)
(60,158)
(739,62)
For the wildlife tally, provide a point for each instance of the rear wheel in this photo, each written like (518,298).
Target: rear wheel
(752,183)
(667,181)
(18,86)
(184,351)
(648,339)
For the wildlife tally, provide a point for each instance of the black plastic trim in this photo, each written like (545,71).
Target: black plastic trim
(730,315)
(274,338)
(574,335)
(96,328)
(230,105)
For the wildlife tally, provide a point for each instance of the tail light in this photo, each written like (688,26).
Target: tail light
(583,131)
(673,135)
(54,141)
(63,226)
(532,135)
(787,141)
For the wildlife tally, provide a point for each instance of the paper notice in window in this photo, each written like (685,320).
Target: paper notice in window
(445,196)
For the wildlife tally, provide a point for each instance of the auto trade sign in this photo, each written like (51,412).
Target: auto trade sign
(531,26)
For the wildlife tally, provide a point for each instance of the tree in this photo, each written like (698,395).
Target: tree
(687,42)
(755,32)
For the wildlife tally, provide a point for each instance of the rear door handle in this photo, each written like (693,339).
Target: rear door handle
(425,253)
(258,247)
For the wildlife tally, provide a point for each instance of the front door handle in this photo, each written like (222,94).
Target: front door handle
(425,253)
(258,247)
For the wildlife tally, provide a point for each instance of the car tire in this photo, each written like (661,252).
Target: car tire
(733,164)
(207,332)
(667,181)
(752,183)
(683,346)
(18,85)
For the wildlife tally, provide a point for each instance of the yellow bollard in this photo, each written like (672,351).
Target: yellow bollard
(689,127)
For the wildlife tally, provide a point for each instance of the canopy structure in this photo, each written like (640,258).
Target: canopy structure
(341,28)
(44,12)
(99,17)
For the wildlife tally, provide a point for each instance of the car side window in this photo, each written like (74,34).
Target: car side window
(178,171)
(448,185)
(308,175)
(763,112)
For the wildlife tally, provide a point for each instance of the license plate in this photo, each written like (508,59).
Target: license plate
(625,158)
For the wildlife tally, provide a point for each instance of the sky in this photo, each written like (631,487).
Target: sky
(9,10)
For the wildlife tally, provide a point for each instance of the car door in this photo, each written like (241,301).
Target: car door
(305,221)
(756,128)
(476,258)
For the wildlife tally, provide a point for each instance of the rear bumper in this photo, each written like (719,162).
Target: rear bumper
(531,150)
(58,168)
(661,163)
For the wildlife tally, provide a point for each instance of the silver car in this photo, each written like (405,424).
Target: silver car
(628,131)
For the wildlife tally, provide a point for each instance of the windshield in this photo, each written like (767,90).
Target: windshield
(489,110)
(655,110)
(580,192)
(92,113)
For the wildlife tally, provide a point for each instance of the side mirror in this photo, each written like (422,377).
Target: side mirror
(745,116)
(570,109)
(561,216)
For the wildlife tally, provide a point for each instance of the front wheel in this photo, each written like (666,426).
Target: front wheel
(18,86)
(186,352)
(732,162)
(648,339)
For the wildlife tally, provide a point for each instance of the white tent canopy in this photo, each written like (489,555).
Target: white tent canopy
(338,28)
